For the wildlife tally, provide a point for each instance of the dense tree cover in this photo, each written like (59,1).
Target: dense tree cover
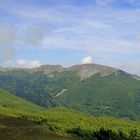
(36,87)
(28,86)
(113,95)
(105,134)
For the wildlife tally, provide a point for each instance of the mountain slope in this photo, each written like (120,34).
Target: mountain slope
(10,102)
(116,96)
(91,88)
(88,70)
(65,121)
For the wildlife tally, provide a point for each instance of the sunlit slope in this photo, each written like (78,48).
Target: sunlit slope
(10,102)
(70,121)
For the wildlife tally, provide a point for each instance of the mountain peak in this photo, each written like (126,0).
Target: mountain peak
(87,70)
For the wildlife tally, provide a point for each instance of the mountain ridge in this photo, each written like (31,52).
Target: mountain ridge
(84,71)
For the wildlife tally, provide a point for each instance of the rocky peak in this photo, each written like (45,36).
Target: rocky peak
(87,70)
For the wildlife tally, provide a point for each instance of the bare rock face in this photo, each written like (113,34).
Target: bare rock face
(87,73)
(87,70)
(83,71)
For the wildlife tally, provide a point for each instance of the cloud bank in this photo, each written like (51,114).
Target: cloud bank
(34,34)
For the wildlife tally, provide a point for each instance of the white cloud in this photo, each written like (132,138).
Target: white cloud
(87,60)
(35,34)
(90,43)
(7,40)
(7,34)
(85,25)
(28,63)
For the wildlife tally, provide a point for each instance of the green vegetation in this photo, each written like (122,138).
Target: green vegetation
(112,95)
(12,128)
(10,103)
(65,121)
(30,86)
(117,96)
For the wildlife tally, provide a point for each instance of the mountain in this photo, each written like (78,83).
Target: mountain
(87,70)
(9,102)
(91,88)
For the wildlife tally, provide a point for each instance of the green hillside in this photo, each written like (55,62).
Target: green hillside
(117,96)
(66,122)
(59,120)
(10,103)
(37,87)
(65,119)
(91,88)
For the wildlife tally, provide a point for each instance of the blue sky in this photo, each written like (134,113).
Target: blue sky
(68,32)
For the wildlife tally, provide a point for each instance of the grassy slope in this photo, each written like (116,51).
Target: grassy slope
(60,119)
(9,102)
(12,128)
(65,119)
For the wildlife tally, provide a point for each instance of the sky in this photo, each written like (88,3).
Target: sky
(69,32)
